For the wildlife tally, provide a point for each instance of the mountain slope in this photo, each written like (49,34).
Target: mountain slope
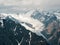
(13,33)
(24,19)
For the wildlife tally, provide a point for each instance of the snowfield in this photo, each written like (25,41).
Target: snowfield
(37,26)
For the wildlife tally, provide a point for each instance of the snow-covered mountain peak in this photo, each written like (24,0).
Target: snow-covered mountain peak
(36,25)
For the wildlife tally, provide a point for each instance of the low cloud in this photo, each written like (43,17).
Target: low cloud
(32,3)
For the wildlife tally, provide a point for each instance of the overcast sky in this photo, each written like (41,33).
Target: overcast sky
(32,3)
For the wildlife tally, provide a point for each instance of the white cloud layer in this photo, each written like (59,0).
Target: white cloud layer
(31,3)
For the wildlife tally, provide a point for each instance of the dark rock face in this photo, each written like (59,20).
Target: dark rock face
(13,33)
(36,15)
(52,30)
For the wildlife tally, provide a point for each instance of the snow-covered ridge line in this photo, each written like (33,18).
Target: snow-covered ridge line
(37,25)
(57,15)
